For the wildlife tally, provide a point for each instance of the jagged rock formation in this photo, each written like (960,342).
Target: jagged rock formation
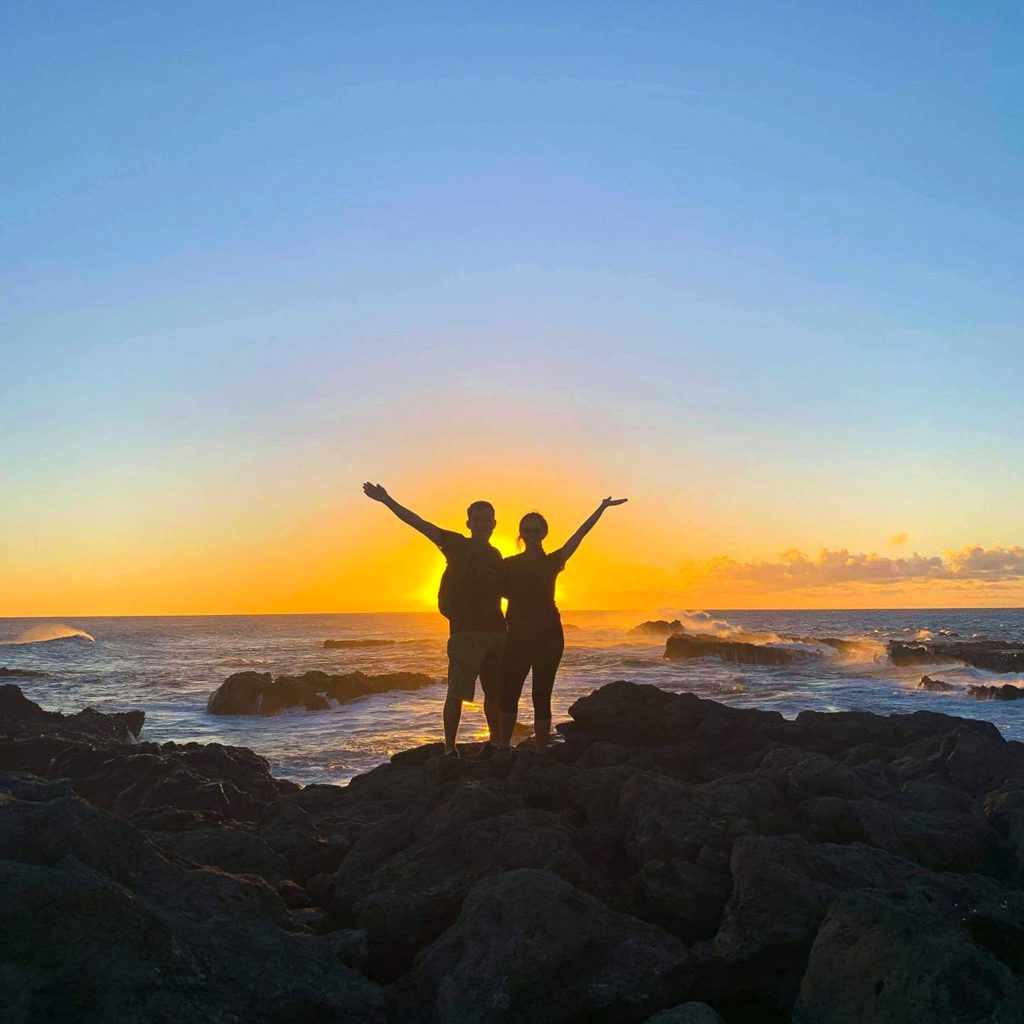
(674,860)
(1004,692)
(701,645)
(23,673)
(992,655)
(259,693)
(935,685)
(658,627)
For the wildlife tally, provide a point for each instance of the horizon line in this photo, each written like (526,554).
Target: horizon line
(568,611)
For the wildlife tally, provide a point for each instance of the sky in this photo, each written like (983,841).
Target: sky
(756,266)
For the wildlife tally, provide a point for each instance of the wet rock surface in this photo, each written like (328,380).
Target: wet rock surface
(700,645)
(1005,692)
(992,655)
(260,693)
(671,860)
(934,685)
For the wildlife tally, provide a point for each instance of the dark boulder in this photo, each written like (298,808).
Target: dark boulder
(99,754)
(259,693)
(20,716)
(98,925)
(527,946)
(1004,692)
(906,962)
(686,899)
(230,849)
(658,627)
(936,685)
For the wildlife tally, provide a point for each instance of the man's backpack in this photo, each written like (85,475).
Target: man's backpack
(446,593)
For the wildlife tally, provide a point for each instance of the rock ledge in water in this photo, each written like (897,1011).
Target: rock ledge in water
(1004,692)
(259,693)
(658,627)
(992,655)
(935,685)
(701,645)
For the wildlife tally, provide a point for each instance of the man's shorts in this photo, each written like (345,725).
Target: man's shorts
(471,654)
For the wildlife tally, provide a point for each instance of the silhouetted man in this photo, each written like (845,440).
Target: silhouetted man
(470,598)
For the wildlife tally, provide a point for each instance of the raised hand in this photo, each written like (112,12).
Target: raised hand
(375,491)
(609,501)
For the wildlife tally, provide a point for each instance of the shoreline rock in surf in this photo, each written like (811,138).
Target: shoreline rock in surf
(934,685)
(658,627)
(992,655)
(683,646)
(259,693)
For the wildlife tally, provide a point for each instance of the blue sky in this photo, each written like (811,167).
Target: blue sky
(730,256)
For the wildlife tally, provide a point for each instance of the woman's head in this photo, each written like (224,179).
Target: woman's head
(532,527)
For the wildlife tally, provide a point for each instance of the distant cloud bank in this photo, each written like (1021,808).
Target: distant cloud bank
(794,569)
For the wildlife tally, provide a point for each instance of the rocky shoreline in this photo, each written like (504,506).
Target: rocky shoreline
(672,860)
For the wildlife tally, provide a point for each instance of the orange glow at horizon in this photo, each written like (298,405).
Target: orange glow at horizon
(324,547)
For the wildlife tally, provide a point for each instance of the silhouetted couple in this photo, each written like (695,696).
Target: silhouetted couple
(499,650)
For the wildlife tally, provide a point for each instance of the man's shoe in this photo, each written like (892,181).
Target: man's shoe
(486,751)
(454,752)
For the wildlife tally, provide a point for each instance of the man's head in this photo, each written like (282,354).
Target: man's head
(480,520)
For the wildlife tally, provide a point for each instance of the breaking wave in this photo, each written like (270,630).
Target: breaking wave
(48,632)
(702,622)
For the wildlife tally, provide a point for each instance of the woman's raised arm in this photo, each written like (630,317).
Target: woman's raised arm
(568,549)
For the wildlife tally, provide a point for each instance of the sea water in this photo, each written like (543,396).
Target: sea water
(168,667)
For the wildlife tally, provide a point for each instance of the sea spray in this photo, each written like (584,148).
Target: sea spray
(46,632)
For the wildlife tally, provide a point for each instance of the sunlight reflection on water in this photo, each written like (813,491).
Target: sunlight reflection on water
(169,666)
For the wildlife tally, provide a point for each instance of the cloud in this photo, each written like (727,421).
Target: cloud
(898,538)
(995,563)
(795,570)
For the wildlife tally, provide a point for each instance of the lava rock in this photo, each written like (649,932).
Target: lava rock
(658,627)
(685,646)
(527,946)
(936,685)
(992,655)
(259,693)
(1004,692)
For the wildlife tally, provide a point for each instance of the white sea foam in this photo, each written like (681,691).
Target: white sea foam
(696,621)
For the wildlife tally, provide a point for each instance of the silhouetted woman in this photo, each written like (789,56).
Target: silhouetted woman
(535,639)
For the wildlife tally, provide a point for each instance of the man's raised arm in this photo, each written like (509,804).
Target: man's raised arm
(429,530)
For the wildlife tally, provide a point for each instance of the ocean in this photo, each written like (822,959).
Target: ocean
(168,666)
